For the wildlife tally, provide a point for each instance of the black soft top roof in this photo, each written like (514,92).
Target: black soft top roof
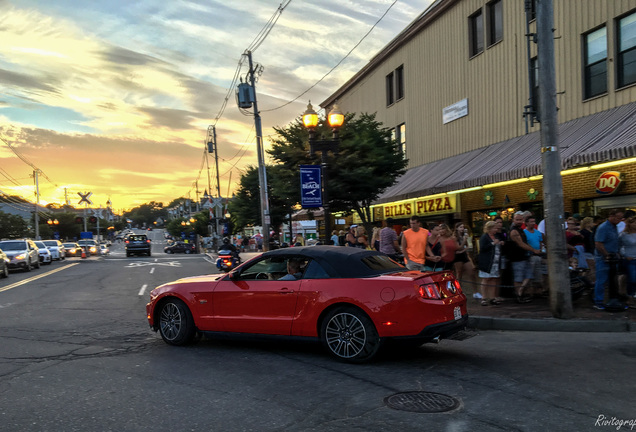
(344,262)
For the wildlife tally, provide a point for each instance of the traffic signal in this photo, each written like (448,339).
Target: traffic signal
(92,219)
(79,220)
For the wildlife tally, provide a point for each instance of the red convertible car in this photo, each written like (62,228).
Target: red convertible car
(351,299)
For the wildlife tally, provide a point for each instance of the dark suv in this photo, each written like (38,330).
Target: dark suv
(23,254)
(137,244)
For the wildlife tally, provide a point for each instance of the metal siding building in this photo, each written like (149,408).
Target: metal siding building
(434,53)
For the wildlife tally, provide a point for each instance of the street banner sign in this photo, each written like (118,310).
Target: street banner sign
(310,186)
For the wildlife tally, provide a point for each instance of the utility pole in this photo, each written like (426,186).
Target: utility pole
(37,204)
(560,295)
(262,174)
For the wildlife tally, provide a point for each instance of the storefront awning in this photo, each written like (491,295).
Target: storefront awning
(602,137)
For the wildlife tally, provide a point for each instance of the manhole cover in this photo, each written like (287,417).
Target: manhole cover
(421,402)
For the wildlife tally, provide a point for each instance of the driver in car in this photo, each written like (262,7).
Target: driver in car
(293,270)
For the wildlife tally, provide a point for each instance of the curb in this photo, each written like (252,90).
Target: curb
(550,324)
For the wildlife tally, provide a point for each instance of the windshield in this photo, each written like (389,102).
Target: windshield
(40,244)
(69,245)
(13,245)
(50,242)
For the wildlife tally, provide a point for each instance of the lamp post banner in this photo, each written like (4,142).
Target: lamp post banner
(310,186)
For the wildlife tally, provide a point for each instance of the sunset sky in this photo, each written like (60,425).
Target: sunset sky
(115,97)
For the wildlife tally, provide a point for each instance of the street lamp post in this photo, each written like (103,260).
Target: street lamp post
(335,118)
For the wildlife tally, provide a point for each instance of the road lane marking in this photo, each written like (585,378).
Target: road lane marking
(31,279)
(152,270)
(143,289)
(145,263)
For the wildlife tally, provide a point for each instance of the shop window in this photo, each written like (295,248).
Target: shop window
(401,138)
(495,22)
(390,93)
(399,83)
(595,67)
(626,56)
(476,33)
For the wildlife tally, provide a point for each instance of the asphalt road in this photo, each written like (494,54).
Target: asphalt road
(76,354)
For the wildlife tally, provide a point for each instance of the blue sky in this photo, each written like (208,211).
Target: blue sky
(115,97)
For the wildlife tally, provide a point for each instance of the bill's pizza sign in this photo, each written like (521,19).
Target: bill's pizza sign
(418,207)
(608,182)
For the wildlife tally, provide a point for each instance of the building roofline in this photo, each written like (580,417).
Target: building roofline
(437,8)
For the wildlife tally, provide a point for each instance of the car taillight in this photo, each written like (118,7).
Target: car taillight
(457,286)
(147,241)
(127,241)
(428,291)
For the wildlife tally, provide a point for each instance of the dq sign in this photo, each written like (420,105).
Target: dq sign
(608,182)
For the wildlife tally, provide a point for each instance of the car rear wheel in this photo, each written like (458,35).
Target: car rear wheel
(350,335)
(176,325)
(188,251)
(168,251)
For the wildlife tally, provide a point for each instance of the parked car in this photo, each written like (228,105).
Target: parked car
(23,254)
(4,264)
(72,249)
(56,248)
(351,299)
(44,252)
(180,247)
(91,246)
(137,244)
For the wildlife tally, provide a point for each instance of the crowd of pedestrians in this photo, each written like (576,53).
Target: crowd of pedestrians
(603,249)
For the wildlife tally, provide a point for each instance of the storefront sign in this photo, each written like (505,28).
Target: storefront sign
(419,207)
(608,182)
(310,186)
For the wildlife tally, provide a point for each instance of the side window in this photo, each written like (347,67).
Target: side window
(595,67)
(390,90)
(272,268)
(495,22)
(626,68)
(476,33)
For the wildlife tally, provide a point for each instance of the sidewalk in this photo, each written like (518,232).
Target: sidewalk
(536,316)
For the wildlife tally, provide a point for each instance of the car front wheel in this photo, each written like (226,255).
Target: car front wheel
(175,323)
(350,335)
(5,271)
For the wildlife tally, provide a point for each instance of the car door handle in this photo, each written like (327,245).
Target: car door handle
(286,291)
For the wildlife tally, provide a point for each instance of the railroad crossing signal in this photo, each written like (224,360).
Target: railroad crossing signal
(85,198)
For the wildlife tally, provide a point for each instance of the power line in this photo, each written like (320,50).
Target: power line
(337,64)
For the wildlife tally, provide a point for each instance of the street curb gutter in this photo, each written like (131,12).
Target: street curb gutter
(549,324)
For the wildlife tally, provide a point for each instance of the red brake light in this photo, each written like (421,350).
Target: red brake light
(428,291)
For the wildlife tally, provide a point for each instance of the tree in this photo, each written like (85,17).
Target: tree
(147,213)
(245,206)
(12,226)
(368,162)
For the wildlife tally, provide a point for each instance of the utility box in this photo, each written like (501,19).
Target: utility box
(245,95)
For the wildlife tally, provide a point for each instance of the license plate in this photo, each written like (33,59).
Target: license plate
(457,312)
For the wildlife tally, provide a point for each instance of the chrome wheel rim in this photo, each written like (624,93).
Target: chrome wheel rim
(345,335)
(170,321)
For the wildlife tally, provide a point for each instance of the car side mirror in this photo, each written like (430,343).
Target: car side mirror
(234,276)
